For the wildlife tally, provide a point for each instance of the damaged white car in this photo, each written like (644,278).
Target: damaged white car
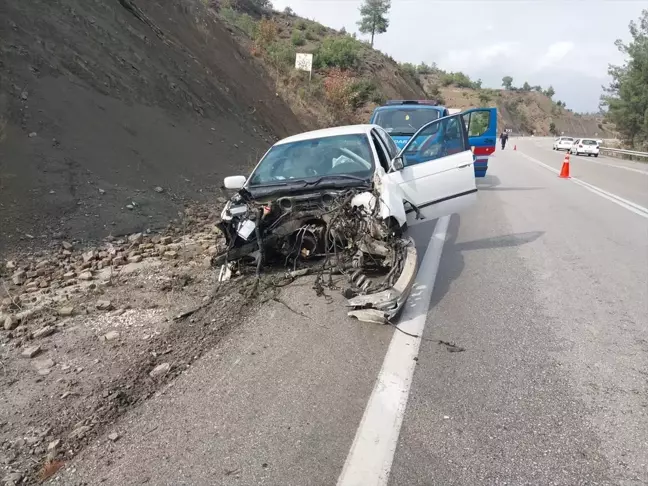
(341,199)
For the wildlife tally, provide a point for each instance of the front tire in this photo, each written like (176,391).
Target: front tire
(595,155)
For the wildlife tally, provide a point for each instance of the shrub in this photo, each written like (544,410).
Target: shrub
(240,20)
(301,25)
(337,52)
(484,97)
(289,11)
(298,38)
(338,91)
(362,91)
(311,34)
(266,32)
(281,55)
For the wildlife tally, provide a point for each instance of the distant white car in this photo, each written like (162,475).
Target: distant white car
(585,146)
(563,143)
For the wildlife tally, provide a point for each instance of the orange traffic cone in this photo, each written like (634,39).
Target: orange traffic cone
(564,172)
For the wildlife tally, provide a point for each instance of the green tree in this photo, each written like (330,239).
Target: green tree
(373,17)
(507,82)
(537,88)
(550,92)
(526,86)
(627,95)
(552,128)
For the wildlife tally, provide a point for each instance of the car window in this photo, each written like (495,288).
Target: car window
(315,158)
(442,138)
(381,150)
(477,123)
(405,121)
(567,139)
(389,143)
(589,142)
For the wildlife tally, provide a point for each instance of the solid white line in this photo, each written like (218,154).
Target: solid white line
(644,172)
(371,455)
(624,203)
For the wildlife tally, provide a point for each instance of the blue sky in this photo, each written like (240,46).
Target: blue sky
(567,43)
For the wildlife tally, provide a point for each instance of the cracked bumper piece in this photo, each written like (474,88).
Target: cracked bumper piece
(383,306)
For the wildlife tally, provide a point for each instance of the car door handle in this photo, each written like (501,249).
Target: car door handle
(464,166)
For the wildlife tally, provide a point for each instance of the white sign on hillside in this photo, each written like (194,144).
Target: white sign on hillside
(304,62)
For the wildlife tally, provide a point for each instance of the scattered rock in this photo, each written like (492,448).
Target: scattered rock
(130,206)
(79,432)
(10,323)
(111,336)
(33,134)
(66,311)
(85,276)
(103,305)
(24,95)
(88,256)
(166,240)
(43,364)
(114,436)
(135,259)
(69,275)
(158,189)
(136,238)
(44,332)
(19,277)
(102,192)
(10,265)
(67,246)
(31,351)
(12,479)
(160,370)
(54,445)
(171,254)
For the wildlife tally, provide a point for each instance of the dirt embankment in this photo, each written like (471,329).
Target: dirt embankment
(115,113)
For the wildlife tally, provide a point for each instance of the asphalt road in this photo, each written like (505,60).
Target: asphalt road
(543,290)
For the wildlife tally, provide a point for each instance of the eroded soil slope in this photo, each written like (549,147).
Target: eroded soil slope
(114,113)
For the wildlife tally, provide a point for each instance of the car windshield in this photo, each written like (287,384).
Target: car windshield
(589,142)
(316,158)
(405,121)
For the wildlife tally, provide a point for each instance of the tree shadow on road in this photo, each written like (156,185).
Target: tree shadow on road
(452,263)
(493,183)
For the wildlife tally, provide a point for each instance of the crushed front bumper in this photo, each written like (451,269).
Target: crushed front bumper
(384,306)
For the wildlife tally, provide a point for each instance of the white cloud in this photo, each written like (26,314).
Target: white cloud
(555,54)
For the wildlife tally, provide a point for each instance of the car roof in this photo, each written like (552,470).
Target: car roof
(409,107)
(329,132)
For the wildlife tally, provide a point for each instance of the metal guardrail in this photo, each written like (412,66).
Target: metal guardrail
(623,152)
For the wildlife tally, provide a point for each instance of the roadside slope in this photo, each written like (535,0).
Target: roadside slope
(105,105)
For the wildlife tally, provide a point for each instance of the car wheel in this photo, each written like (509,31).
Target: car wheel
(589,155)
(595,155)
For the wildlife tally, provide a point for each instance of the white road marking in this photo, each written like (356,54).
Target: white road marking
(370,458)
(624,203)
(644,172)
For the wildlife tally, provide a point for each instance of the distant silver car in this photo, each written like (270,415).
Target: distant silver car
(563,143)
(585,146)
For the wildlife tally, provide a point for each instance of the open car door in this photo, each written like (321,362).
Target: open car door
(434,171)
(481,124)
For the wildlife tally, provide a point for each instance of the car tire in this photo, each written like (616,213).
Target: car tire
(595,155)
(589,155)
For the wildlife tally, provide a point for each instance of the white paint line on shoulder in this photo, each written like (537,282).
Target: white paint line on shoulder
(624,203)
(371,455)
(616,166)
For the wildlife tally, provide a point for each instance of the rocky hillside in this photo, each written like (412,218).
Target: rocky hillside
(114,113)
(349,77)
(528,112)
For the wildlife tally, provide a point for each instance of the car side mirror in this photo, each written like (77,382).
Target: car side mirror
(234,182)
(396,164)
